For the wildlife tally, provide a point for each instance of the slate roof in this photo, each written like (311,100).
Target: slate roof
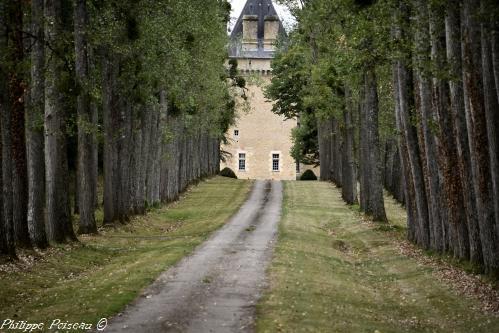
(260,8)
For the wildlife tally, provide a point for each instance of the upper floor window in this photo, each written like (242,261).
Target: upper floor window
(275,162)
(236,134)
(242,161)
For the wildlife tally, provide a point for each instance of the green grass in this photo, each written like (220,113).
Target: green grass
(99,276)
(332,273)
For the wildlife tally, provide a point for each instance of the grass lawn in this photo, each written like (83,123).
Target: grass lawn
(99,276)
(333,273)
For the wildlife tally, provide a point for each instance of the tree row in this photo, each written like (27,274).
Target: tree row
(402,95)
(135,91)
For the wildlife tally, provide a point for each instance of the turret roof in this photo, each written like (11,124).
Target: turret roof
(261,9)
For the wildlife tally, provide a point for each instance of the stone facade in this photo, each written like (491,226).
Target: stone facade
(260,142)
(260,134)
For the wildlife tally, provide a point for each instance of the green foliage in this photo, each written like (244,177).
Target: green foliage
(227,172)
(332,45)
(305,147)
(308,175)
(175,45)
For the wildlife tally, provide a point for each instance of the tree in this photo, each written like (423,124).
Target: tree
(17,85)
(34,130)
(59,226)
(373,203)
(7,243)
(86,126)
(477,129)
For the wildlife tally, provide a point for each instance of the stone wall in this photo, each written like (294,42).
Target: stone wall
(261,134)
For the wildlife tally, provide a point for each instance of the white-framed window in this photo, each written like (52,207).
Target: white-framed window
(242,161)
(275,162)
(236,134)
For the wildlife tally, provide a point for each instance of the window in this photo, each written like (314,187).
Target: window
(242,161)
(275,162)
(236,134)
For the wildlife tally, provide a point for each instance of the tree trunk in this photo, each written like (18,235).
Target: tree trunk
(453,46)
(363,151)
(34,130)
(7,240)
(422,53)
(477,129)
(17,97)
(86,128)
(124,159)
(375,205)
(59,226)
(495,49)
(109,156)
(452,189)
(490,98)
(349,188)
(322,154)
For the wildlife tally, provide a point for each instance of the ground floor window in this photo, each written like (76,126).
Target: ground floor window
(275,162)
(242,161)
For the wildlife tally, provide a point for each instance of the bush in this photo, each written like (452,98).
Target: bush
(308,175)
(227,172)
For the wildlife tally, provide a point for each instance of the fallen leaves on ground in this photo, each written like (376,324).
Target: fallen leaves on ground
(462,282)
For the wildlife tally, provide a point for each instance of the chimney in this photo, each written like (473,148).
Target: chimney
(271,32)
(250,32)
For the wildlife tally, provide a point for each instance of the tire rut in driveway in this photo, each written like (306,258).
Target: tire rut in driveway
(216,288)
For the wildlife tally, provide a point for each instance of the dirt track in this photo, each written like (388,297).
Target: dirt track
(215,289)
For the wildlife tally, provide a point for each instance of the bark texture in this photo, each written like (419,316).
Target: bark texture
(34,130)
(86,127)
(59,226)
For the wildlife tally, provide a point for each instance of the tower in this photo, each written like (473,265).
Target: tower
(260,141)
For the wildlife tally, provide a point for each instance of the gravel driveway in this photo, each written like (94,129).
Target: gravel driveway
(216,288)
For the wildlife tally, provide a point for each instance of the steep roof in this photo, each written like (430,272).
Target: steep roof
(260,8)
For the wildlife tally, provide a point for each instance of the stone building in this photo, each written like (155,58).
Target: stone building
(260,142)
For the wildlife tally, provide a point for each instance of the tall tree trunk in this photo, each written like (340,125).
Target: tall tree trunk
(124,160)
(34,131)
(477,129)
(349,188)
(375,205)
(363,148)
(489,10)
(422,53)
(86,128)
(495,48)
(7,242)
(59,226)
(453,46)
(447,145)
(336,152)
(17,97)
(323,160)
(404,139)
(110,133)
(415,164)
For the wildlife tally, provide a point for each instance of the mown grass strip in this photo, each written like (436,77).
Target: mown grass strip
(99,276)
(333,273)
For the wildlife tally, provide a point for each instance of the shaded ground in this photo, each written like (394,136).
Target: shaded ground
(215,289)
(99,276)
(333,272)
